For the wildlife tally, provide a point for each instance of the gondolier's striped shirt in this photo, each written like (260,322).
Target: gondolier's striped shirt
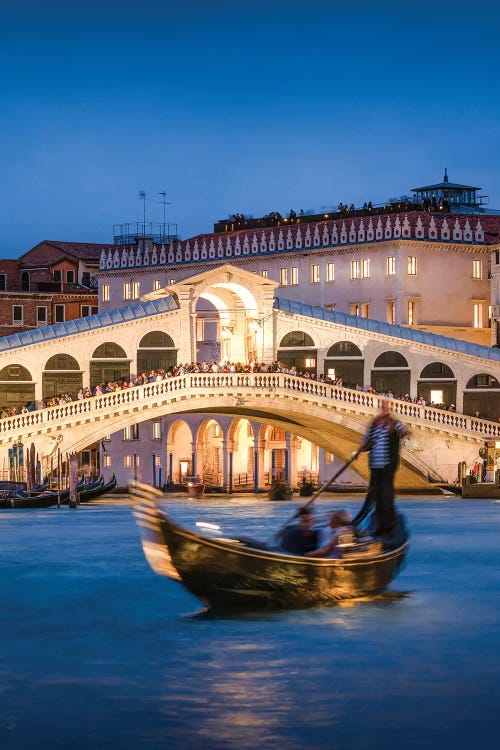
(379,439)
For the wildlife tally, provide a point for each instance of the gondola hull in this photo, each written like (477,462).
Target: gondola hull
(231,574)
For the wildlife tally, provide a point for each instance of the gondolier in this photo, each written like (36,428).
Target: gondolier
(382,441)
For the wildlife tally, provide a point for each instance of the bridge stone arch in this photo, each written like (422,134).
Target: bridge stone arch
(156,351)
(437,384)
(244,302)
(391,372)
(109,362)
(17,387)
(61,374)
(482,396)
(345,360)
(297,349)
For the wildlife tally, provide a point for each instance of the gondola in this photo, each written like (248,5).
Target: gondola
(100,488)
(242,574)
(40,500)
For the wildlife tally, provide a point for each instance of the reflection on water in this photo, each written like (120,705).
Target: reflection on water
(96,651)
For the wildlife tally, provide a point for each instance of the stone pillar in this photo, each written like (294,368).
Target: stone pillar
(291,446)
(225,464)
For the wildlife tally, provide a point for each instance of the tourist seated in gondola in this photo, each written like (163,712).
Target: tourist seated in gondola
(301,538)
(338,533)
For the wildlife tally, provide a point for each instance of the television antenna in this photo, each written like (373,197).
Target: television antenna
(164,203)
(142,197)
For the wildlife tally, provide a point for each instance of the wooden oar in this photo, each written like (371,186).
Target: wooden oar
(321,489)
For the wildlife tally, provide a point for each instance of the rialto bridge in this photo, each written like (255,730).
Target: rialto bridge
(253,326)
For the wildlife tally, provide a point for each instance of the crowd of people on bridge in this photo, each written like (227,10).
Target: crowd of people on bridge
(156,375)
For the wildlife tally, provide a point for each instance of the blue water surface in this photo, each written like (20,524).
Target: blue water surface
(97,651)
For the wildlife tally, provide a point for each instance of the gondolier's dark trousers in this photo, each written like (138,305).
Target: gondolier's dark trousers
(381,489)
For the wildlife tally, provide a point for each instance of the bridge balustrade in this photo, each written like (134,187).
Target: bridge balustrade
(14,426)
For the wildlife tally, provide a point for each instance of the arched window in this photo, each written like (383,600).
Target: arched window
(109,350)
(109,363)
(483,381)
(296,338)
(62,362)
(156,352)
(62,374)
(16,386)
(344,349)
(391,359)
(155,340)
(437,370)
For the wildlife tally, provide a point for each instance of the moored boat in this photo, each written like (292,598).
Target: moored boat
(238,573)
(195,486)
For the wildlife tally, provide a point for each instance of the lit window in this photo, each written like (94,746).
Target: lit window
(157,462)
(355,269)
(136,290)
(171,281)
(355,309)
(391,265)
(128,461)
(106,460)
(365,268)
(314,274)
(477,269)
(156,284)
(294,276)
(41,316)
(105,292)
(310,362)
(283,276)
(412,309)
(127,290)
(131,432)
(412,265)
(478,315)
(330,272)
(217,430)
(17,315)
(391,311)
(330,373)
(156,430)
(264,273)
(365,310)
(60,314)
(329,457)
(437,397)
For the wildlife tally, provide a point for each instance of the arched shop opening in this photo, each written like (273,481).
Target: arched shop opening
(345,360)
(391,374)
(109,363)
(210,453)
(62,374)
(179,459)
(437,384)
(156,352)
(242,446)
(482,396)
(297,349)
(16,387)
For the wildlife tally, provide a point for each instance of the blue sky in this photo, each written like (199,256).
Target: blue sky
(236,106)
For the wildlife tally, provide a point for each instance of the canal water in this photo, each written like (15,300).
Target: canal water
(96,651)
